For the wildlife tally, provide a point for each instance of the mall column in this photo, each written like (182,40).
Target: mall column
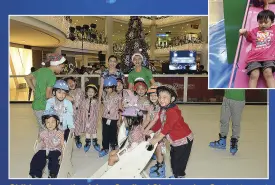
(153,38)
(109,29)
(204,34)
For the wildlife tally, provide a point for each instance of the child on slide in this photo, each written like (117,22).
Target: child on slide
(134,118)
(51,143)
(261,57)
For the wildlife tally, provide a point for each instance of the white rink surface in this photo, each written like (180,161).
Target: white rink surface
(250,162)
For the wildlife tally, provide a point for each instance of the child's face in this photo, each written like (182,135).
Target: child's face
(60,94)
(264,24)
(137,60)
(141,90)
(164,98)
(71,84)
(119,86)
(109,90)
(154,97)
(51,123)
(91,93)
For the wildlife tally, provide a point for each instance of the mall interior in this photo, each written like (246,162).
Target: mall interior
(33,37)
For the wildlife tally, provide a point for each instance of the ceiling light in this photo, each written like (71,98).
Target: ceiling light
(149,31)
(95,20)
(23,41)
(76,20)
(161,29)
(173,26)
(121,25)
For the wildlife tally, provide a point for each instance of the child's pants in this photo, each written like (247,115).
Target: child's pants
(109,133)
(38,115)
(39,161)
(179,158)
(66,134)
(231,109)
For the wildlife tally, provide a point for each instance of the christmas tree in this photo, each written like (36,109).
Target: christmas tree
(135,42)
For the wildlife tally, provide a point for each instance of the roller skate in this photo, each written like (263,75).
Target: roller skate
(87,145)
(78,142)
(233,146)
(153,168)
(96,145)
(159,172)
(103,152)
(220,144)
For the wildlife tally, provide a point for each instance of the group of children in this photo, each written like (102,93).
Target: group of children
(153,111)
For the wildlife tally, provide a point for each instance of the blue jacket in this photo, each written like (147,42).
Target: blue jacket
(66,117)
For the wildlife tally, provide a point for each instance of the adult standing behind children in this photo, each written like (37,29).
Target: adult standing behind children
(44,81)
(139,72)
(111,71)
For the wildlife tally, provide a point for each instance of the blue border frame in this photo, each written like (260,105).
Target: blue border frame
(101,7)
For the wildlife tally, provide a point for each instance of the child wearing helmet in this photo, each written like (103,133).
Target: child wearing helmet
(51,143)
(62,106)
(158,170)
(87,120)
(140,89)
(134,117)
(174,128)
(111,115)
(41,82)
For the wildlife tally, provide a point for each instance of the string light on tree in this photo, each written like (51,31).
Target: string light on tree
(135,42)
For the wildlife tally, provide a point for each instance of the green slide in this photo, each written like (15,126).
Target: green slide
(234,11)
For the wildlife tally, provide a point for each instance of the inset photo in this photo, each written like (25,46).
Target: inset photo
(242,44)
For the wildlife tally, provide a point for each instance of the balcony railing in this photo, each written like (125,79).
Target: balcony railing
(190,88)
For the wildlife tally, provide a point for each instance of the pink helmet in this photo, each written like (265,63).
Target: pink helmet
(132,111)
(129,99)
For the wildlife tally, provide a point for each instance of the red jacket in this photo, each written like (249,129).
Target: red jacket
(174,125)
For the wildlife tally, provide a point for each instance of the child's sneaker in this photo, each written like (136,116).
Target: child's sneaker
(51,176)
(233,146)
(159,172)
(87,145)
(103,152)
(96,145)
(153,168)
(78,142)
(220,144)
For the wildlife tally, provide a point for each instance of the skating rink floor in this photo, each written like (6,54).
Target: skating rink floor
(251,161)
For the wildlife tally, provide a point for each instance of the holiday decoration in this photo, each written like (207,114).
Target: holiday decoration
(135,42)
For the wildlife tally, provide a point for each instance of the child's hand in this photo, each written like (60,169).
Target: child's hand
(242,31)
(148,132)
